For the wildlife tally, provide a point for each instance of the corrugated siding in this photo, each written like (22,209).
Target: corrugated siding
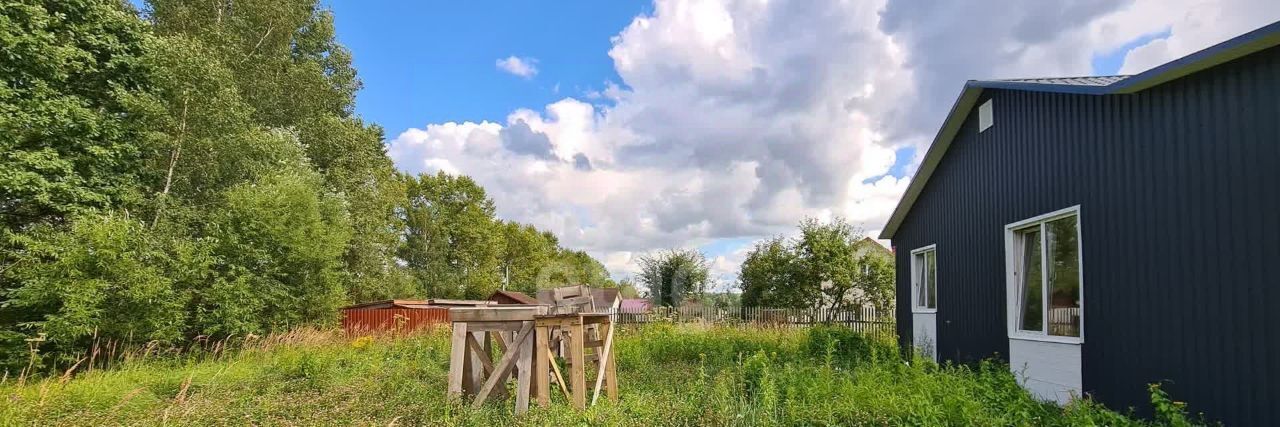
(1179,188)
(362,321)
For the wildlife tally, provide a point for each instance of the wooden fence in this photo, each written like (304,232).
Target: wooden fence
(863,319)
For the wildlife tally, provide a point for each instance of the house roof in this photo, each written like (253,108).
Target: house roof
(519,297)
(1246,44)
(1072,81)
(868,242)
(636,304)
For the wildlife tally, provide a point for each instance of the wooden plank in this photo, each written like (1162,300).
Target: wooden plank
(524,376)
(555,368)
(541,386)
(502,370)
(608,346)
(501,341)
(457,359)
(475,370)
(482,355)
(577,372)
(497,313)
(611,370)
(574,301)
(502,326)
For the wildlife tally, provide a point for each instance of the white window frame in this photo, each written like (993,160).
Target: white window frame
(1013,285)
(915,276)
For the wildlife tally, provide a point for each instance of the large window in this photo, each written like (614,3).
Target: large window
(924,279)
(1045,293)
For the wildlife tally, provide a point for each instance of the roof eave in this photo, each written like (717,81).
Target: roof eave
(1262,38)
(964,102)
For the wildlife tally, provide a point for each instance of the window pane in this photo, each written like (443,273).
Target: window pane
(918,261)
(1064,276)
(1031,303)
(931,267)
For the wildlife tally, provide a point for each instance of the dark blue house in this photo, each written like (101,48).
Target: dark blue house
(1104,233)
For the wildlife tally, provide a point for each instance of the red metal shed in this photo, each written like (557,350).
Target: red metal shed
(400,315)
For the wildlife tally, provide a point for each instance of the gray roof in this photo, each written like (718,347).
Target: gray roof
(1075,81)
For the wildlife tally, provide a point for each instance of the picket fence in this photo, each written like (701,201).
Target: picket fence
(864,319)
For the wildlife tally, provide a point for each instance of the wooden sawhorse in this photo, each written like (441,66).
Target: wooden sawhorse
(572,329)
(512,327)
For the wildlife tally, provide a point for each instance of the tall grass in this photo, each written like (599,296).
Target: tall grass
(668,375)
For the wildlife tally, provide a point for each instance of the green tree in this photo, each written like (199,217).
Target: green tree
(525,253)
(279,240)
(768,275)
(451,237)
(826,266)
(673,275)
(103,276)
(354,163)
(66,142)
(282,53)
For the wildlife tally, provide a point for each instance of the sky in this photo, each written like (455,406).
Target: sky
(629,126)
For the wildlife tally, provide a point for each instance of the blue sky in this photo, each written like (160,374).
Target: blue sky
(735,120)
(433,62)
(1108,63)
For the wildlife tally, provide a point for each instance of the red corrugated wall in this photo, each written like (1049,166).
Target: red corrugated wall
(360,321)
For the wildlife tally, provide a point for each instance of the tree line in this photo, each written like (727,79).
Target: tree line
(829,265)
(196,169)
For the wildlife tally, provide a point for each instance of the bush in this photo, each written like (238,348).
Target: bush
(833,343)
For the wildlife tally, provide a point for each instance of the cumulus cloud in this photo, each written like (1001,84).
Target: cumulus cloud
(737,118)
(523,67)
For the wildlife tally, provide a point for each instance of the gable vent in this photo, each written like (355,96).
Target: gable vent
(985,117)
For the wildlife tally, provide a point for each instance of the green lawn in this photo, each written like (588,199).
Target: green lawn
(668,375)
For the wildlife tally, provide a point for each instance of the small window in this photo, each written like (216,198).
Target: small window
(924,279)
(1045,277)
(986,116)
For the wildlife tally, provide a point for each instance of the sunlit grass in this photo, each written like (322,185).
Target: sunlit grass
(668,375)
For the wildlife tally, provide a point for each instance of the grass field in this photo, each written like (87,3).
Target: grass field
(668,374)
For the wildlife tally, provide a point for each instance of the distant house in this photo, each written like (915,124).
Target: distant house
(635,305)
(1104,233)
(869,246)
(865,247)
(512,297)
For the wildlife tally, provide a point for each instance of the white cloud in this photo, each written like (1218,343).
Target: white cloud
(523,67)
(737,118)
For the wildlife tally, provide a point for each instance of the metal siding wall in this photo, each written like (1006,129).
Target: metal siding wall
(1179,188)
(361,321)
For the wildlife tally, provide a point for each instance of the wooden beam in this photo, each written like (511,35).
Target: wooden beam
(555,367)
(497,314)
(457,359)
(524,376)
(503,368)
(604,364)
(502,341)
(541,386)
(481,354)
(475,369)
(577,372)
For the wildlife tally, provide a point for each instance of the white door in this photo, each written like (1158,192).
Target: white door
(924,300)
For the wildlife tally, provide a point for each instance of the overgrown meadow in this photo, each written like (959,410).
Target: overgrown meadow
(669,375)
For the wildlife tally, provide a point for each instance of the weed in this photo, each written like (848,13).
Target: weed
(669,374)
